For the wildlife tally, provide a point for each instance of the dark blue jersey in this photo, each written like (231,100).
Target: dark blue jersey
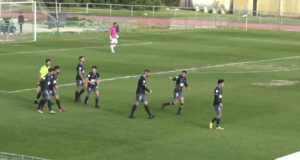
(80,68)
(218,95)
(93,78)
(141,87)
(54,80)
(46,82)
(180,82)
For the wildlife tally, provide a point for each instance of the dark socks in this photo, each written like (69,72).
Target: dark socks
(169,103)
(82,91)
(147,110)
(213,120)
(97,99)
(180,107)
(218,122)
(76,95)
(133,109)
(49,105)
(58,103)
(179,110)
(41,104)
(38,96)
(86,99)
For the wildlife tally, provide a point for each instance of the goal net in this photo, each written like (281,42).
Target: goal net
(189,23)
(17,21)
(86,26)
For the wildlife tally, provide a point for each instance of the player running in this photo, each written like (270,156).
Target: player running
(54,87)
(45,86)
(43,72)
(178,94)
(141,95)
(93,80)
(80,81)
(113,37)
(218,92)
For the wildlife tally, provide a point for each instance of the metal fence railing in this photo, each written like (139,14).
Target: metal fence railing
(253,23)
(10,156)
(154,11)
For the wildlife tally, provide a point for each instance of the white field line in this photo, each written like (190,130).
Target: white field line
(247,39)
(177,70)
(3,91)
(67,49)
(100,37)
(247,72)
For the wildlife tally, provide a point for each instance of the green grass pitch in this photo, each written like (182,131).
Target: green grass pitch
(261,93)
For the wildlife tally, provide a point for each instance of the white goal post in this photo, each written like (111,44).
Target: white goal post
(11,29)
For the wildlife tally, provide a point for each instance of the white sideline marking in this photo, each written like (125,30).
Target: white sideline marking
(3,91)
(279,70)
(67,49)
(177,70)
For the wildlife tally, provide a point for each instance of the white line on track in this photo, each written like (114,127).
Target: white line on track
(67,49)
(177,70)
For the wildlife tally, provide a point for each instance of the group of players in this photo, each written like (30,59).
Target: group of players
(180,82)
(47,86)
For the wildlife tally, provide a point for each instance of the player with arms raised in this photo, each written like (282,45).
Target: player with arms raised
(93,80)
(113,37)
(178,94)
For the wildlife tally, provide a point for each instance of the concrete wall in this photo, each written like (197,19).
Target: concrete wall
(269,5)
(241,6)
(224,4)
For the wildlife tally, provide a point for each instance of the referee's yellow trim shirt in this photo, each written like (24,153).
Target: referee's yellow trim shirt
(44,71)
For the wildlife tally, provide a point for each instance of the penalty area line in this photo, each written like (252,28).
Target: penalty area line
(172,71)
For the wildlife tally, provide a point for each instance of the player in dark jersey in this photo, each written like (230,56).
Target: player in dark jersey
(46,87)
(80,81)
(54,87)
(93,79)
(218,92)
(141,95)
(180,82)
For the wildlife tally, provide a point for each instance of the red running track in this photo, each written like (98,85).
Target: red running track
(165,21)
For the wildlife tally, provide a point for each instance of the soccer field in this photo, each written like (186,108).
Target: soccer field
(260,116)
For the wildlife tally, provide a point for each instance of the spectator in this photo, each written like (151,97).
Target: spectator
(6,25)
(12,28)
(21,22)
(2,26)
